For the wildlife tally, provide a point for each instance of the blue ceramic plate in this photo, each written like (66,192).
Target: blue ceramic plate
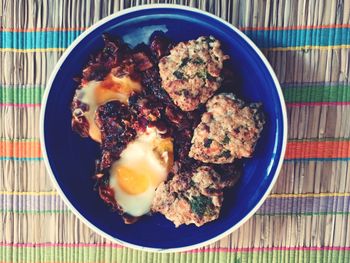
(70,159)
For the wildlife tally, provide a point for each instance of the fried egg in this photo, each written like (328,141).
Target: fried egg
(96,93)
(142,166)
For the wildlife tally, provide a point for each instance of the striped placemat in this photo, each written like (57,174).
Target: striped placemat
(305,219)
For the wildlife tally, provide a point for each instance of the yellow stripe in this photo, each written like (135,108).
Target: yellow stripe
(28,193)
(304,48)
(32,50)
(309,195)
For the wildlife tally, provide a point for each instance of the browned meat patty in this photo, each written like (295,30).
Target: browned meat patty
(228,130)
(192,72)
(191,197)
(117,125)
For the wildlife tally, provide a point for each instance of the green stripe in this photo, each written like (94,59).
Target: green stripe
(21,94)
(317,94)
(126,255)
(292,94)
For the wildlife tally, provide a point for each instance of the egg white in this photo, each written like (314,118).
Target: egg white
(138,152)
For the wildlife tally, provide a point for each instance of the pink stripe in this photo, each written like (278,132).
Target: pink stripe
(21,245)
(201,250)
(20,105)
(268,249)
(295,104)
(299,104)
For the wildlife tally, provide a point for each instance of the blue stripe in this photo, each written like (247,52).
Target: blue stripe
(263,38)
(301,37)
(32,40)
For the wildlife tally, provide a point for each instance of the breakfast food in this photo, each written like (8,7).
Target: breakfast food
(109,76)
(192,72)
(142,166)
(160,151)
(229,129)
(192,197)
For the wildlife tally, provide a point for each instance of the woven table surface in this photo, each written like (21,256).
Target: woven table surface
(305,219)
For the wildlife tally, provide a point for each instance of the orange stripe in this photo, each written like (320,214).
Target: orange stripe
(20,149)
(241,28)
(295,149)
(295,27)
(317,149)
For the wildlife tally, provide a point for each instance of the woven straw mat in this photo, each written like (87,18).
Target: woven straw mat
(305,219)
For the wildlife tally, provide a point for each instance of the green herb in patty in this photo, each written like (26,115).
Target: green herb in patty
(202,74)
(178,74)
(200,204)
(197,61)
(184,62)
(226,139)
(226,154)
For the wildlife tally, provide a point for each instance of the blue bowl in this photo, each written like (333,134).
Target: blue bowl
(70,159)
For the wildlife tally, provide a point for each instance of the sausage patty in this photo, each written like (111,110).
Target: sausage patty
(192,72)
(191,197)
(228,130)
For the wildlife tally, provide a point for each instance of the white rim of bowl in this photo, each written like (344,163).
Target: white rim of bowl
(53,178)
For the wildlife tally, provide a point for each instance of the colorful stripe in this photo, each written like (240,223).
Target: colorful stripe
(20,159)
(47,29)
(303,206)
(307,38)
(325,205)
(302,195)
(305,48)
(115,253)
(35,203)
(28,193)
(34,50)
(20,149)
(37,40)
(273,49)
(317,95)
(296,150)
(64,211)
(295,95)
(271,28)
(19,139)
(317,104)
(21,95)
(318,150)
(276,39)
(291,195)
(204,249)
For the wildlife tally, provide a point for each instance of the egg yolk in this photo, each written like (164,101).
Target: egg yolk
(135,180)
